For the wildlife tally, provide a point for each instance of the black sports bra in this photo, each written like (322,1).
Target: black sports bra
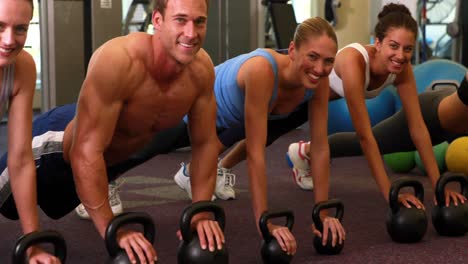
(463,91)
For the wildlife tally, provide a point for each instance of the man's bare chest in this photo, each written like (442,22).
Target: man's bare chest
(152,111)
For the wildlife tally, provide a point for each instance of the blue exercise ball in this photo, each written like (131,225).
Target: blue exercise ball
(338,117)
(435,74)
(379,108)
(438,70)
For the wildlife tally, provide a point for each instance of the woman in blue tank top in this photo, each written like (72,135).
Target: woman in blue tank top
(256,89)
(260,96)
(18,75)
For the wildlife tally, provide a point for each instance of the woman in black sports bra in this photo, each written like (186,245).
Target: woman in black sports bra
(444,111)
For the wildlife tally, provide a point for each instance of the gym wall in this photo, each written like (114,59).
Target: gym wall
(233,28)
(72,30)
(353,18)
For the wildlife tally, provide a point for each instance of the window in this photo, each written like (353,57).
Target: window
(33,42)
(302,9)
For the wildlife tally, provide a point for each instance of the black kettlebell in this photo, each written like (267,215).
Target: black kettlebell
(190,250)
(38,237)
(450,220)
(117,255)
(271,250)
(328,249)
(406,225)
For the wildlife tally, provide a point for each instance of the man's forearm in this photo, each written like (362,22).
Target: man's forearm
(92,189)
(101,217)
(203,171)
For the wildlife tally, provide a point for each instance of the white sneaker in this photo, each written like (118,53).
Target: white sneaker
(182,178)
(298,161)
(114,202)
(225,182)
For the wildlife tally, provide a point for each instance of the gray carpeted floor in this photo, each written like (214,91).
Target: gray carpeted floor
(150,188)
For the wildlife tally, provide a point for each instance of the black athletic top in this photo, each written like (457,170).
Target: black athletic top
(463,91)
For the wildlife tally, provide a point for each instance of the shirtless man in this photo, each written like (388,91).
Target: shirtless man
(135,86)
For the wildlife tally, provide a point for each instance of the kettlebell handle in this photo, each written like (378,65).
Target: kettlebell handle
(124,219)
(195,208)
(397,185)
(263,222)
(38,237)
(332,203)
(444,180)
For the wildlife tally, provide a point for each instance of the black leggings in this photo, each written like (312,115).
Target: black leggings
(392,134)
(171,139)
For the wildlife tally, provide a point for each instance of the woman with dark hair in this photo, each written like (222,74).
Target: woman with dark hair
(363,71)
(444,112)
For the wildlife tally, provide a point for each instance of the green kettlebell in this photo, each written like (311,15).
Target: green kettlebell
(328,249)
(38,237)
(116,253)
(271,250)
(406,225)
(450,220)
(190,250)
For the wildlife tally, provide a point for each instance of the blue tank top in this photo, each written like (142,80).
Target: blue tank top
(7,88)
(230,98)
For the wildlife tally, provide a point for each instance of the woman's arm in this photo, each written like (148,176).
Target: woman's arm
(350,66)
(258,90)
(21,166)
(320,160)
(257,78)
(406,87)
(319,148)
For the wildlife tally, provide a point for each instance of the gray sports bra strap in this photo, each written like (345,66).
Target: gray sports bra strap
(7,87)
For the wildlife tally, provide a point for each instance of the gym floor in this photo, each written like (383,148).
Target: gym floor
(150,188)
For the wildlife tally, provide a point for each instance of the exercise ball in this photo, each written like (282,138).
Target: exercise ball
(456,157)
(439,70)
(400,162)
(439,153)
(379,108)
(338,117)
(436,74)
